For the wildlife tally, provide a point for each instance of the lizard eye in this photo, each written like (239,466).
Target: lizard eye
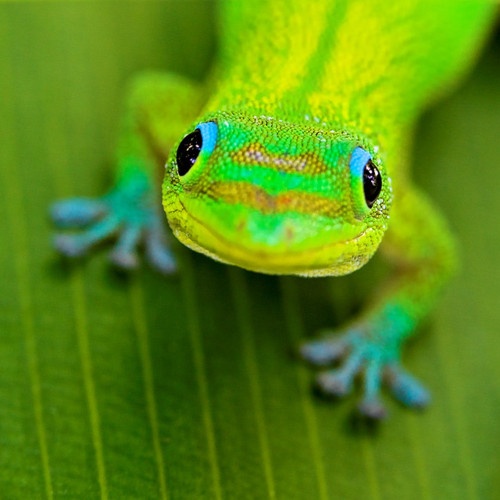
(366,181)
(372,183)
(199,142)
(188,151)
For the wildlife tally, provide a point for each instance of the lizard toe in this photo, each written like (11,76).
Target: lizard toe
(323,351)
(76,212)
(406,388)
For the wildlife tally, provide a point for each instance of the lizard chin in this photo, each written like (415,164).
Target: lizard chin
(335,258)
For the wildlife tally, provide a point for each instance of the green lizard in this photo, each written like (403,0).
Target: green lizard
(293,159)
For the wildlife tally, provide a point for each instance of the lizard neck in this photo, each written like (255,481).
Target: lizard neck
(355,65)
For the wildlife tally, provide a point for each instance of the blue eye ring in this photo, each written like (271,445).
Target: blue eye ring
(200,142)
(359,159)
(209,131)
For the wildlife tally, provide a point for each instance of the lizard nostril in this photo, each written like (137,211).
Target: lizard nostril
(241,226)
(289,234)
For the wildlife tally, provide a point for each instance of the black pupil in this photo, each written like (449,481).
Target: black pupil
(372,183)
(188,151)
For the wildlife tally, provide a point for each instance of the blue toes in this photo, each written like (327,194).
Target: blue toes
(406,388)
(372,408)
(339,382)
(126,213)
(157,251)
(69,245)
(76,245)
(334,383)
(124,253)
(375,361)
(76,212)
(323,352)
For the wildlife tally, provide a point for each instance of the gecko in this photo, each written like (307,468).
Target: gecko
(293,158)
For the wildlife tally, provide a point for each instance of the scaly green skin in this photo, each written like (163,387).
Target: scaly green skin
(298,86)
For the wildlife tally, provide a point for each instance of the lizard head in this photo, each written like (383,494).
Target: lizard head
(276,197)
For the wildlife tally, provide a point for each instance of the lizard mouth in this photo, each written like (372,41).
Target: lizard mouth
(312,258)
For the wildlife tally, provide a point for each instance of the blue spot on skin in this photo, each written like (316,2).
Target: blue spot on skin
(359,159)
(209,136)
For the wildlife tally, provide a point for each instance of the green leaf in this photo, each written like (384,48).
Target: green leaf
(144,387)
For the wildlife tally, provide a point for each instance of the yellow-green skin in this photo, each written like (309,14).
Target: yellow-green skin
(297,87)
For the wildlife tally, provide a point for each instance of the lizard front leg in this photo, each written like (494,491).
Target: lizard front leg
(420,246)
(159,107)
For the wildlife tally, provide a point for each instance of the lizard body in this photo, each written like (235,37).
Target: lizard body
(293,159)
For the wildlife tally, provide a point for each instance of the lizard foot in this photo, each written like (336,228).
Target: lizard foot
(128,213)
(376,360)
